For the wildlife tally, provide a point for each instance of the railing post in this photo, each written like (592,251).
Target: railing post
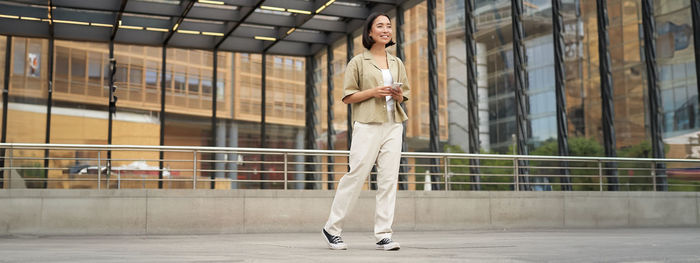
(600,175)
(285,171)
(516,178)
(194,169)
(99,170)
(446,174)
(653,175)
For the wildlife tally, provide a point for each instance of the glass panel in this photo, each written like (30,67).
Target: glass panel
(188,121)
(27,105)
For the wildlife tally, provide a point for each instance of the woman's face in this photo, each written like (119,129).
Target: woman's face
(381,30)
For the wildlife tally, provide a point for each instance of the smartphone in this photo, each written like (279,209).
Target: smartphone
(396,85)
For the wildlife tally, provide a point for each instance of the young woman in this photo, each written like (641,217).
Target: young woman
(372,88)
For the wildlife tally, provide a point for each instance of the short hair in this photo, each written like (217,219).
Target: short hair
(367,41)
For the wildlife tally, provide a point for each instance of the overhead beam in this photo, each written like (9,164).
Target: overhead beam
(115,25)
(186,7)
(235,26)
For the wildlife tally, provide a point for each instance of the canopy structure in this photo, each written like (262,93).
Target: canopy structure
(285,27)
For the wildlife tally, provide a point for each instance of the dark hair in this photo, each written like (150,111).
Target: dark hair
(367,41)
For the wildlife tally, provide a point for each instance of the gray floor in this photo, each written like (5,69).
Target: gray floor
(568,245)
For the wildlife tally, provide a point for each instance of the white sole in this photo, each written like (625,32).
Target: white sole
(389,247)
(331,246)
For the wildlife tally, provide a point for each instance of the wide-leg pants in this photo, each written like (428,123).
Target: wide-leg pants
(371,142)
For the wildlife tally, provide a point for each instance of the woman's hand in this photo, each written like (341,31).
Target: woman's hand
(381,91)
(397,94)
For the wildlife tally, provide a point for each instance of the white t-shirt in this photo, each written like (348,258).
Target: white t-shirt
(388,81)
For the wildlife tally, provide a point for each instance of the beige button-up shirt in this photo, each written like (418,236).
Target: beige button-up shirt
(362,73)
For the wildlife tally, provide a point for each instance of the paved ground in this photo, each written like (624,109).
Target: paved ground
(570,245)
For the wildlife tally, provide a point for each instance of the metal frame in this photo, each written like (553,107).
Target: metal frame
(299,27)
(5,101)
(49,99)
(695,14)
(401,54)
(329,111)
(655,110)
(521,125)
(263,123)
(350,48)
(310,120)
(112,105)
(560,90)
(433,92)
(472,89)
(214,102)
(606,86)
(163,70)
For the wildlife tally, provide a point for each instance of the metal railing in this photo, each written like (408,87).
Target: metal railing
(75,166)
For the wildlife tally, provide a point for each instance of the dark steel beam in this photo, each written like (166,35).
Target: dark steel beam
(521,123)
(559,89)
(655,109)
(284,32)
(606,94)
(163,69)
(49,99)
(310,119)
(186,7)
(695,14)
(263,134)
(214,120)
(472,92)
(433,94)
(115,25)
(400,54)
(350,48)
(330,132)
(112,104)
(236,25)
(5,101)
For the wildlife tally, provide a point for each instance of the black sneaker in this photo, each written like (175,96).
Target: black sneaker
(334,242)
(388,244)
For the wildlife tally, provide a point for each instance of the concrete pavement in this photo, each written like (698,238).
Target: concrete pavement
(541,245)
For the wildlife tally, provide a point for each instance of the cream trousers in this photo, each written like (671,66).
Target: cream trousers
(380,142)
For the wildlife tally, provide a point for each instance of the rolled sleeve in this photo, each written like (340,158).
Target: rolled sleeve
(351,83)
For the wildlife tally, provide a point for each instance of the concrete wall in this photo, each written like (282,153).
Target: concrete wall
(82,212)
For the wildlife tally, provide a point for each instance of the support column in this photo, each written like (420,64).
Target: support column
(49,102)
(521,123)
(112,106)
(163,69)
(263,134)
(401,54)
(695,14)
(472,92)
(350,44)
(606,95)
(433,94)
(214,137)
(330,132)
(559,89)
(655,110)
(310,119)
(5,102)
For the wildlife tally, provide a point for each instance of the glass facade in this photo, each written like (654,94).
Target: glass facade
(675,58)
